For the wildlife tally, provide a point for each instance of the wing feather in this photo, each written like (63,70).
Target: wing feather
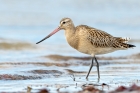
(102,39)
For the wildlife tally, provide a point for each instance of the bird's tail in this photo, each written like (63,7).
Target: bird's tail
(125,45)
(126,39)
(131,46)
(122,42)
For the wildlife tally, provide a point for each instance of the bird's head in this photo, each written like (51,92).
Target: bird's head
(65,23)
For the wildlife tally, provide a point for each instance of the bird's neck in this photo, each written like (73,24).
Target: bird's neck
(71,37)
(69,32)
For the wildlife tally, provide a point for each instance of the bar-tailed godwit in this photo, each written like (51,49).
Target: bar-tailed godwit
(90,40)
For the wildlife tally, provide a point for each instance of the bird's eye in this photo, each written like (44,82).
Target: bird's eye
(64,22)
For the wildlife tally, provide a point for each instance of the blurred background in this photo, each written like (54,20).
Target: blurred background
(25,22)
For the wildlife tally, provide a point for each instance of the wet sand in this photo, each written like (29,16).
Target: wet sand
(67,73)
(7,44)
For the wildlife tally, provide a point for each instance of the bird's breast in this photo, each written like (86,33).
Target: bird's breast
(73,42)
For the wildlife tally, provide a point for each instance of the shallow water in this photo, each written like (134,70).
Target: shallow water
(53,75)
(23,23)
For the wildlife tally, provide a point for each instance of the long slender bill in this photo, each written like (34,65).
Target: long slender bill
(56,30)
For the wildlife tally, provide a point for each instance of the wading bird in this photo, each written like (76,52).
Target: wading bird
(90,40)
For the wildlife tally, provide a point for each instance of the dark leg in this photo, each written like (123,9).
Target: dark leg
(97,68)
(90,68)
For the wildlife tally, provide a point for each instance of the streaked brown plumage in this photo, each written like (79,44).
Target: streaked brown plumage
(90,40)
